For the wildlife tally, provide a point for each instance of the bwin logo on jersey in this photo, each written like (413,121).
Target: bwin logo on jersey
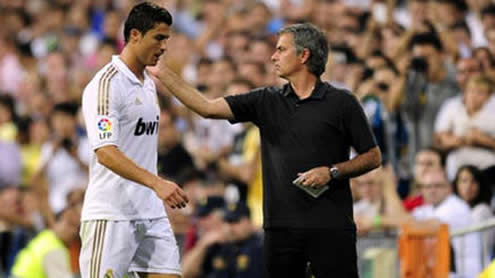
(143,127)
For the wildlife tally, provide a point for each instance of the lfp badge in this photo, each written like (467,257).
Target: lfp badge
(105,128)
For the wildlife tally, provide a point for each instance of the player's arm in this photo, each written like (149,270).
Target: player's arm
(189,96)
(112,158)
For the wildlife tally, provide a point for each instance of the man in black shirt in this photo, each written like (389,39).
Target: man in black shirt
(307,130)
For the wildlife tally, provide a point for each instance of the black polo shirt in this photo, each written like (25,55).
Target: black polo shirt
(296,136)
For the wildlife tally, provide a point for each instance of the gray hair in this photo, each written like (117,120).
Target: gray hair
(308,36)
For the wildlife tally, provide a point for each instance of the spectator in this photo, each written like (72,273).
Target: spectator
(467,130)
(48,252)
(428,159)
(234,250)
(63,161)
(470,185)
(430,81)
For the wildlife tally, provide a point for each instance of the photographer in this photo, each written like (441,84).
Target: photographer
(64,161)
(429,82)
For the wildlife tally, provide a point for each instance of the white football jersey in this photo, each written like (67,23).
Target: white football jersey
(121,110)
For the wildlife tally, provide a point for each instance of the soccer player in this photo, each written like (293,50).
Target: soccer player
(124,226)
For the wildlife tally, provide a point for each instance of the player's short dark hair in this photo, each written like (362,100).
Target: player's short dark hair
(144,16)
(308,36)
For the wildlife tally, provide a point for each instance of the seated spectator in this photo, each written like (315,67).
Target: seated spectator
(232,250)
(468,130)
(378,199)
(64,161)
(442,206)
(13,221)
(426,160)
(209,218)
(48,254)
(470,186)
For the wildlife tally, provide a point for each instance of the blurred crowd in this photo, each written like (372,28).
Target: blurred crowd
(424,71)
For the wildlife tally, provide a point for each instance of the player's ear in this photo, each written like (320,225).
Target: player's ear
(135,35)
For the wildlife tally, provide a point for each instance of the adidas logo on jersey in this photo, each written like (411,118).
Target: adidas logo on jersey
(149,128)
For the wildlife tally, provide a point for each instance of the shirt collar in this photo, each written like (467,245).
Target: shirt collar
(318,91)
(122,67)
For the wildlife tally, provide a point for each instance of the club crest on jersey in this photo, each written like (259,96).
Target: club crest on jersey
(148,128)
(104,128)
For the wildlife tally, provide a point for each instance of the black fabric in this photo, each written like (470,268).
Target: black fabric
(296,136)
(173,162)
(330,252)
(243,259)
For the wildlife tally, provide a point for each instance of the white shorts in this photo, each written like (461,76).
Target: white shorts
(115,248)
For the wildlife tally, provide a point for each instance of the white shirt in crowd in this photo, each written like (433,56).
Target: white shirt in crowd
(63,172)
(453,117)
(457,214)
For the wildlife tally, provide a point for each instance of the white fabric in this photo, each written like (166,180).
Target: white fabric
(128,246)
(481,213)
(476,27)
(63,172)
(56,263)
(457,214)
(130,122)
(453,117)
(366,208)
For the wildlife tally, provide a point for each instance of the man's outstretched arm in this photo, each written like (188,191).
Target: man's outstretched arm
(189,96)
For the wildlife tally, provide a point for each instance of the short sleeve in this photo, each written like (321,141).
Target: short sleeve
(444,117)
(247,107)
(357,126)
(101,109)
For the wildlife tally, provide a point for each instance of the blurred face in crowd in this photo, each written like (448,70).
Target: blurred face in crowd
(488,21)
(210,222)
(477,5)
(368,186)
(11,203)
(467,186)
(285,58)
(446,13)
(435,188)
(490,37)
(426,161)
(5,114)
(484,57)
(63,124)
(150,46)
(260,51)
(222,73)
(240,229)
(418,10)
(253,72)
(111,25)
(466,67)
(433,57)
(476,96)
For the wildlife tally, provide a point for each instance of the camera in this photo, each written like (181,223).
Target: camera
(419,64)
(67,143)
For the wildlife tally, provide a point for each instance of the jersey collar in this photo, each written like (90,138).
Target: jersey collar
(127,72)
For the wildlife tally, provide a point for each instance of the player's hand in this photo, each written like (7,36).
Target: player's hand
(171,194)
(315,177)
